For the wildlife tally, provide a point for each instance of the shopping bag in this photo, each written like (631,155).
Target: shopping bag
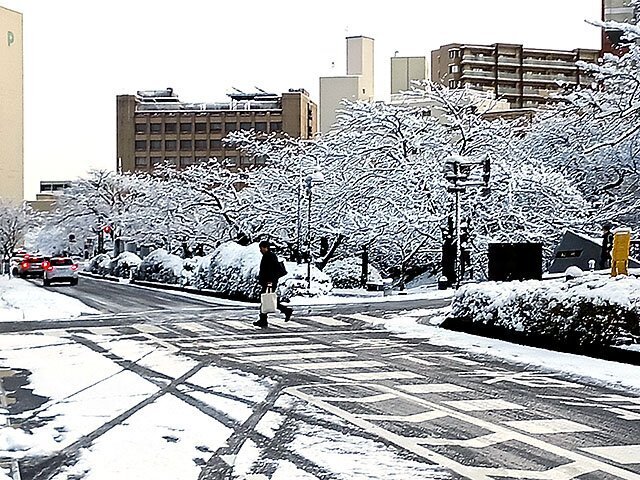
(268,302)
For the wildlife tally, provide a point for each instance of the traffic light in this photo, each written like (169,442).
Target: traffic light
(107,229)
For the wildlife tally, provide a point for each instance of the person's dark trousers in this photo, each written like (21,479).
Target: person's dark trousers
(286,310)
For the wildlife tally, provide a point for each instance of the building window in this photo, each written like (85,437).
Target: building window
(155,160)
(186,145)
(229,127)
(245,126)
(170,160)
(216,127)
(156,128)
(201,127)
(201,145)
(141,128)
(186,161)
(141,145)
(261,127)
(231,161)
(452,84)
(216,144)
(454,68)
(155,145)
(170,128)
(275,126)
(141,162)
(454,53)
(170,145)
(185,128)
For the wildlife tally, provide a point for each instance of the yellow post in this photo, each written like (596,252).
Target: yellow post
(620,251)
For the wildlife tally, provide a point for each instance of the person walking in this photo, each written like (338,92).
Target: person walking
(607,244)
(270,272)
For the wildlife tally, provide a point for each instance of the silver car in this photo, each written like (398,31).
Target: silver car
(60,269)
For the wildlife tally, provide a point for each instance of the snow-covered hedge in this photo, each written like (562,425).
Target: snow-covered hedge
(232,269)
(345,273)
(585,313)
(100,264)
(160,266)
(124,264)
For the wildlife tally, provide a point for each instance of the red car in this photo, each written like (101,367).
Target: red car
(30,266)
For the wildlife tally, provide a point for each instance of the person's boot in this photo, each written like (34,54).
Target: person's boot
(261,324)
(287,314)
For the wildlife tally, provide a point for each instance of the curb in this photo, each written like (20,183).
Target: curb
(99,277)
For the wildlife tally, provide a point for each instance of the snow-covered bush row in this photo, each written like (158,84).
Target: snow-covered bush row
(233,269)
(581,314)
(125,264)
(100,264)
(160,266)
(345,273)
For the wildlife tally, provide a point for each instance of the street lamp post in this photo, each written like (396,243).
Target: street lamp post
(315,178)
(458,172)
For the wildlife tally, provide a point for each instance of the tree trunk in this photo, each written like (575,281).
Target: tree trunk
(331,252)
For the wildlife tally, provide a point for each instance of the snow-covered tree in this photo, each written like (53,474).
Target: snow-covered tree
(15,221)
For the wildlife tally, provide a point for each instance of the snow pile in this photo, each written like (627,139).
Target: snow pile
(160,266)
(345,273)
(587,312)
(21,300)
(124,264)
(100,264)
(233,270)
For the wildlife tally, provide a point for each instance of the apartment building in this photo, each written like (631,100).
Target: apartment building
(357,84)
(405,71)
(622,11)
(11,106)
(154,126)
(525,77)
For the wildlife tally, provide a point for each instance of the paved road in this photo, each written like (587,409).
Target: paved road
(457,414)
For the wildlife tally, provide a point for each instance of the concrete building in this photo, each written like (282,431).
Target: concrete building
(405,70)
(49,191)
(155,126)
(11,106)
(357,84)
(622,11)
(526,77)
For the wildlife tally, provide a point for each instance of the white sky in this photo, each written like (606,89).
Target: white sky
(80,54)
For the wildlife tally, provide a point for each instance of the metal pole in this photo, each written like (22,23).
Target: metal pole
(299,241)
(458,249)
(309,241)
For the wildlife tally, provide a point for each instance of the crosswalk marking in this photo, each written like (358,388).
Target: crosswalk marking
(192,327)
(150,329)
(279,322)
(260,341)
(300,356)
(432,388)
(331,322)
(550,426)
(237,324)
(624,454)
(369,399)
(415,418)
(270,348)
(336,365)
(392,375)
(483,405)
(103,331)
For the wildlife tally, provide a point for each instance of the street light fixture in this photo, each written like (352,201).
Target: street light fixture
(458,171)
(313,179)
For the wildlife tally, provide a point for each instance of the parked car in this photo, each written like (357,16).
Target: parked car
(29,266)
(60,269)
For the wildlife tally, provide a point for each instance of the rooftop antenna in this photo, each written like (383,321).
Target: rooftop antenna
(395,54)
(259,89)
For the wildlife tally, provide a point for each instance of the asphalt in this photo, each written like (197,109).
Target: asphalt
(468,416)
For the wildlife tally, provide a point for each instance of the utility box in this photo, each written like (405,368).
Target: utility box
(515,261)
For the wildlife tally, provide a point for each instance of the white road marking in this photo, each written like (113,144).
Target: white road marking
(259,341)
(300,356)
(331,322)
(483,405)
(279,322)
(192,327)
(415,418)
(482,441)
(550,426)
(270,348)
(237,324)
(624,454)
(103,331)
(336,365)
(368,399)
(393,375)
(432,388)
(150,329)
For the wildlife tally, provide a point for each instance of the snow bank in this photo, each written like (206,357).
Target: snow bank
(587,312)
(233,270)
(124,264)
(345,273)
(100,264)
(21,300)
(160,266)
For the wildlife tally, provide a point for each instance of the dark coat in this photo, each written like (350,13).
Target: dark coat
(269,269)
